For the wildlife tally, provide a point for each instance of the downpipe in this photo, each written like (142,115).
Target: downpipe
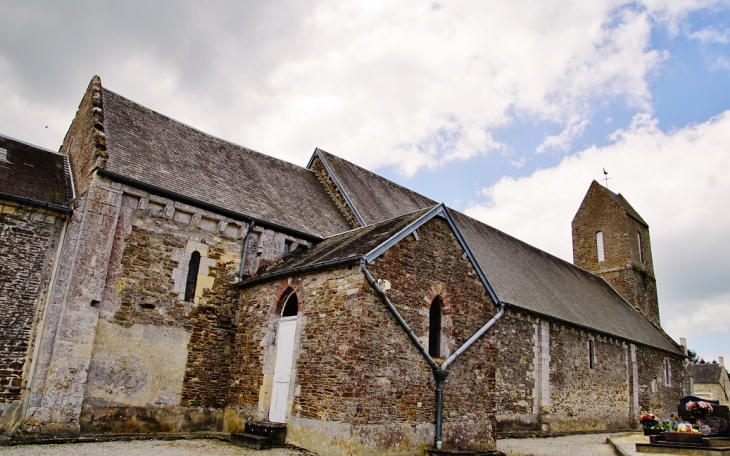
(439,372)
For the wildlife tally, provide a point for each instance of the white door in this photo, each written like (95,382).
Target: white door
(282,369)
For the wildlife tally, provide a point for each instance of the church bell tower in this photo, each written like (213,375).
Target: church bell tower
(611,240)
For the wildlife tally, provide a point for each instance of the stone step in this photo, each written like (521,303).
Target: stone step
(275,431)
(435,452)
(252,441)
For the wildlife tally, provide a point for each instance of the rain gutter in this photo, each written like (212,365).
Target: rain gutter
(439,372)
(203,205)
(30,202)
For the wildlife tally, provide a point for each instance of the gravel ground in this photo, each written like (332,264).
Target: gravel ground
(588,445)
(199,447)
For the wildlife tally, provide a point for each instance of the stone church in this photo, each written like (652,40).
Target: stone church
(158,280)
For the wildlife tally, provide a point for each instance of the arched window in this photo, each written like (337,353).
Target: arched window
(434,328)
(192,281)
(641,252)
(599,246)
(291,307)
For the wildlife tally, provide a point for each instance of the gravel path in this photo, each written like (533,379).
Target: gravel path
(200,447)
(588,445)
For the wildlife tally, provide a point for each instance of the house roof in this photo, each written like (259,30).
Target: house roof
(706,373)
(375,198)
(521,275)
(353,245)
(34,175)
(204,168)
(368,243)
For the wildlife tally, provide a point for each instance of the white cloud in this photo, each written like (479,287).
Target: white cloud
(698,318)
(710,35)
(403,84)
(677,181)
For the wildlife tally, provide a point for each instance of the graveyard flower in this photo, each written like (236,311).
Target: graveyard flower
(648,421)
(698,409)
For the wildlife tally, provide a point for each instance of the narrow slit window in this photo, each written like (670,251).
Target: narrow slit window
(291,307)
(591,354)
(599,246)
(667,372)
(434,329)
(641,252)
(192,280)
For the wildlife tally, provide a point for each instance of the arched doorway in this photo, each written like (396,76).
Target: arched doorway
(284,357)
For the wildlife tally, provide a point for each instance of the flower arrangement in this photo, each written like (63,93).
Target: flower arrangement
(686,427)
(698,409)
(648,421)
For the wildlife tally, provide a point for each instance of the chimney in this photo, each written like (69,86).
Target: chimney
(722,361)
(683,343)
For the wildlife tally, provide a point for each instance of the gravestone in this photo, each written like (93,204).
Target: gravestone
(717,419)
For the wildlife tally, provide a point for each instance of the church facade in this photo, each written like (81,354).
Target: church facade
(167,281)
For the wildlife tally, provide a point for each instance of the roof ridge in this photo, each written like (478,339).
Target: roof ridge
(382,222)
(31,145)
(376,175)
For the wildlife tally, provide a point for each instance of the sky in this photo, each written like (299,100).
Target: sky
(506,110)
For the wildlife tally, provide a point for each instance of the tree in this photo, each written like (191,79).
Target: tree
(692,355)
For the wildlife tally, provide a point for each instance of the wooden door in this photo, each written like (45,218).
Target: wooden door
(282,369)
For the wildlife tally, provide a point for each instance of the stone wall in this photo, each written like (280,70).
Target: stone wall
(29,240)
(659,393)
(584,397)
(177,376)
(545,382)
(361,386)
(85,141)
(522,355)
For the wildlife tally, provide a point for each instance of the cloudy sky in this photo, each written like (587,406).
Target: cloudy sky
(506,110)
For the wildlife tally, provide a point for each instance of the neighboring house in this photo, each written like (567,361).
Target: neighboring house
(710,381)
(202,285)
(35,205)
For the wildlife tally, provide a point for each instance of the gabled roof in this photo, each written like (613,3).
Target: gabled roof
(34,175)
(368,243)
(521,275)
(351,245)
(374,197)
(706,373)
(150,148)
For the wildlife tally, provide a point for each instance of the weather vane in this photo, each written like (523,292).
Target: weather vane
(605,177)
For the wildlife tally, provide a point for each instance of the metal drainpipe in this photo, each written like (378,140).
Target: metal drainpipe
(397,315)
(439,372)
(440,376)
(245,250)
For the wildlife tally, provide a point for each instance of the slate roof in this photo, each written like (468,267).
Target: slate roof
(352,245)
(521,275)
(31,173)
(706,373)
(151,148)
(377,198)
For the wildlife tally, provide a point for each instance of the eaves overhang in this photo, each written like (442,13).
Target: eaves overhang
(203,205)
